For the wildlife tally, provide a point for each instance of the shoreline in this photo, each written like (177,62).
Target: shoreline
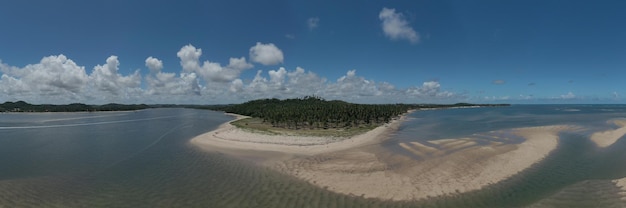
(358,166)
(231,138)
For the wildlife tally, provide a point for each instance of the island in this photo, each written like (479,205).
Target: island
(314,116)
(344,147)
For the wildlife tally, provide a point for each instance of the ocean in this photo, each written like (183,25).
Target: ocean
(143,159)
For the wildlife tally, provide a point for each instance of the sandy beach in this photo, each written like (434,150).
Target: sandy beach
(357,166)
(228,137)
(607,138)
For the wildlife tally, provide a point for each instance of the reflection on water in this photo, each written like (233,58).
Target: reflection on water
(142,159)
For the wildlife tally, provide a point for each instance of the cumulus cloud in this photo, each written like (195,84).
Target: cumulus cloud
(279,83)
(569,95)
(154,64)
(266,54)
(283,83)
(236,85)
(313,22)
(353,86)
(53,75)
(170,84)
(57,79)
(106,77)
(429,89)
(396,27)
(211,71)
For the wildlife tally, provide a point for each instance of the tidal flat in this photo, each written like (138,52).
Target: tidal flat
(144,159)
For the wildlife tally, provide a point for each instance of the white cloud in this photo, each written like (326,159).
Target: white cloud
(53,75)
(266,54)
(169,84)
(189,58)
(236,85)
(106,78)
(396,27)
(211,71)
(430,89)
(353,86)
(155,65)
(277,76)
(313,22)
(569,95)
(57,79)
(282,83)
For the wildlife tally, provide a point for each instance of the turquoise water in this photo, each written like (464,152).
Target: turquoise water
(143,159)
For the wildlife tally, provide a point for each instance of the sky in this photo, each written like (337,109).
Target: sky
(219,52)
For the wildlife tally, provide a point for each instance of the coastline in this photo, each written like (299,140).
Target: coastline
(229,137)
(357,166)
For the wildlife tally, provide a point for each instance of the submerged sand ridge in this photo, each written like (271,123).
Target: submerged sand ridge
(359,166)
(445,167)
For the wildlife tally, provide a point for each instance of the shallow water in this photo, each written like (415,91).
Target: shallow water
(143,159)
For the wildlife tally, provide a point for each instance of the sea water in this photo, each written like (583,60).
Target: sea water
(143,159)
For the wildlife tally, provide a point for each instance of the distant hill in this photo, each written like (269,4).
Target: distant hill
(21,106)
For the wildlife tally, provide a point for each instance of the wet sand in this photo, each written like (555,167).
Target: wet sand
(359,166)
(607,138)
(621,183)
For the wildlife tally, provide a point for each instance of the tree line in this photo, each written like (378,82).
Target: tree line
(21,106)
(316,113)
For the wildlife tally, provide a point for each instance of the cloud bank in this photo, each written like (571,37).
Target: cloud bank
(58,79)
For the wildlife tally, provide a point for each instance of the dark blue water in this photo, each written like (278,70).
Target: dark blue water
(143,159)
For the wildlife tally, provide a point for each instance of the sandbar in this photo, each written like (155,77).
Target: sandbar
(360,166)
(607,138)
(621,183)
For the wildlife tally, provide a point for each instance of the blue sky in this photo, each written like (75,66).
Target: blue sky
(367,52)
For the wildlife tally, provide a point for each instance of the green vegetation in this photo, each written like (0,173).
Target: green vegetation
(316,113)
(257,125)
(21,106)
(315,116)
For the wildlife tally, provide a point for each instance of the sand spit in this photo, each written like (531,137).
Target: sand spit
(228,137)
(607,138)
(452,166)
(418,170)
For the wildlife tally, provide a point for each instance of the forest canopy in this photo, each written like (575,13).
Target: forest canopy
(21,106)
(314,112)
